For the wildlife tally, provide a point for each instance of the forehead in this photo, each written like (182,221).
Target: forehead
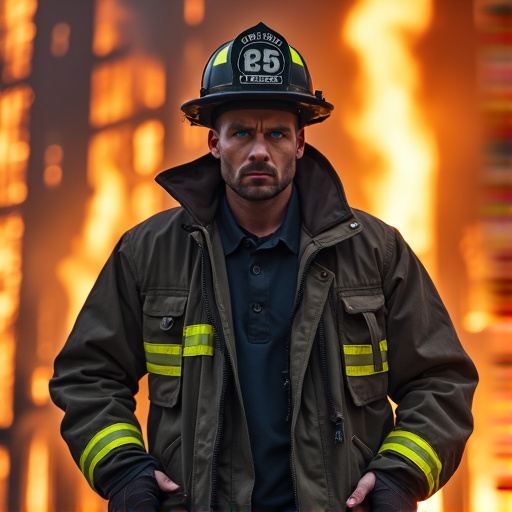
(253,117)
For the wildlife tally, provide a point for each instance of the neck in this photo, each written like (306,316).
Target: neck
(260,218)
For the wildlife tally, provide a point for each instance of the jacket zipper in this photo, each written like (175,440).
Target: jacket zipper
(336,416)
(286,372)
(300,293)
(213,318)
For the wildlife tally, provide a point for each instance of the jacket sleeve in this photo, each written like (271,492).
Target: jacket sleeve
(96,377)
(431,379)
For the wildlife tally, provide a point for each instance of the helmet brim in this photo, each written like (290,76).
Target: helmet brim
(310,109)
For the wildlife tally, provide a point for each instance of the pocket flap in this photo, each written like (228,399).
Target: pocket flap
(361,303)
(164,305)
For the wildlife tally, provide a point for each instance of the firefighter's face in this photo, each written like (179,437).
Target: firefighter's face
(258,150)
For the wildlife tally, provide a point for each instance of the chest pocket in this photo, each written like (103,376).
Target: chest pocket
(167,341)
(364,344)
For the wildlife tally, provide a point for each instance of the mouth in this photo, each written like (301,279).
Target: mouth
(258,172)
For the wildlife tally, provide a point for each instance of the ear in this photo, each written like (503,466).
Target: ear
(213,143)
(301,141)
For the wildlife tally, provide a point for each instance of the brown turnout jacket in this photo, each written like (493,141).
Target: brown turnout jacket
(368,324)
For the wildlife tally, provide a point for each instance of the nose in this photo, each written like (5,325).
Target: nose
(259,151)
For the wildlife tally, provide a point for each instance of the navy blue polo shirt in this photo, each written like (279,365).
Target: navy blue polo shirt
(262,274)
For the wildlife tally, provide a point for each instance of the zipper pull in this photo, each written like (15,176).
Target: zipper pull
(338,433)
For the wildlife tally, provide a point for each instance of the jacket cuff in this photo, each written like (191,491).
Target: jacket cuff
(399,476)
(393,483)
(144,468)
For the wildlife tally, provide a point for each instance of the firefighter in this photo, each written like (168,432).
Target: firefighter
(274,322)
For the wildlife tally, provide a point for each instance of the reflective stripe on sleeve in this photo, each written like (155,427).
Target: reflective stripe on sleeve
(163,359)
(359,359)
(104,442)
(198,340)
(419,452)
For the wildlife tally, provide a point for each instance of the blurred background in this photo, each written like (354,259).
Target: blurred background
(421,136)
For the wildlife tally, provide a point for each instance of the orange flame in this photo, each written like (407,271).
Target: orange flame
(390,124)
(15,105)
(16,21)
(37,476)
(193,12)
(104,223)
(11,232)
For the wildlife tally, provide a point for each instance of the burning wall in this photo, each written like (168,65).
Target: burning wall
(89,114)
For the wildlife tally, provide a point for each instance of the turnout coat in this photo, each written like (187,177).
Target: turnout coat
(367,324)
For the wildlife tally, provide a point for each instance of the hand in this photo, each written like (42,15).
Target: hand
(144,494)
(165,483)
(384,499)
(139,495)
(364,487)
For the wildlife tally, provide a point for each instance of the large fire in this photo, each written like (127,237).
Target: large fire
(126,137)
(390,123)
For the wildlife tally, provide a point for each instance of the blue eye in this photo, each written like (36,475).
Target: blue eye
(241,133)
(276,135)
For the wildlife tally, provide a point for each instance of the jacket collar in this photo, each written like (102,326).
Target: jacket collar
(198,185)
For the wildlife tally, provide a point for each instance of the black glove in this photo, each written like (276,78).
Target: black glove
(139,495)
(384,499)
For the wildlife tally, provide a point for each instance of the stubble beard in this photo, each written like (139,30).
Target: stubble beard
(256,191)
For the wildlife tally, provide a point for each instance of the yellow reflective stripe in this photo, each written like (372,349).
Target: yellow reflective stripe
(367,369)
(194,330)
(163,359)
(159,369)
(104,442)
(154,348)
(222,56)
(359,359)
(107,449)
(296,57)
(198,340)
(419,452)
(364,349)
(200,350)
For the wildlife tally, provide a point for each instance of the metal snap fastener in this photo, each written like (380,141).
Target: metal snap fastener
(353,225)
(256,307)
(256,270)
(166,323)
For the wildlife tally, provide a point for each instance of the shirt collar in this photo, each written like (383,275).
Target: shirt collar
(289,231)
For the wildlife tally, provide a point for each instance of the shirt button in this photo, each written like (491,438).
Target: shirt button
(256,270)
(256,307)
(248,243)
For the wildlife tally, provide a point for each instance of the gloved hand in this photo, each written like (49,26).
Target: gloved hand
(140,495)
(384,499)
